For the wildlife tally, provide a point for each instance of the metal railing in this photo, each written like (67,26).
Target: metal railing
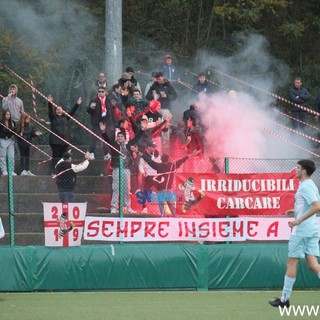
(21,197)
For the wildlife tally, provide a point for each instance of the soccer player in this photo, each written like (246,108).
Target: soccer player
(304,239)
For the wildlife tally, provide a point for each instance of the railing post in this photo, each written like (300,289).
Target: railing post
(226,170)
(11,200)
(121,173)
(226,165)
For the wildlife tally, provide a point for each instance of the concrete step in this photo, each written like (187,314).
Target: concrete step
(30,203)
(45,184)
(95,168)
(24,222)
(76,155)
(24,239)
(30,192)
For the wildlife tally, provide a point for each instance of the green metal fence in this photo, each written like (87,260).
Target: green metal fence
(21,197)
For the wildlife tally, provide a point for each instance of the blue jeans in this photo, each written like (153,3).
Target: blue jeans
(115,188)
(66,196)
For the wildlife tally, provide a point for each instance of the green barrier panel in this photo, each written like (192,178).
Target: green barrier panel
(116,267)
(148,266)
(253,266)
(16,270)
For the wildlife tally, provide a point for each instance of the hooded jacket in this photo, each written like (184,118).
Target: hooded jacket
(59,125)
(14,105)
(168,89)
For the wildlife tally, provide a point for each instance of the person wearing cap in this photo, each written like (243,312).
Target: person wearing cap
(66,175)
(133,80)
(66,181)
(13,103)
(163,91)
(147,172)
(168,69)
(59,125)
(127,87)
(155,118)
(153,115)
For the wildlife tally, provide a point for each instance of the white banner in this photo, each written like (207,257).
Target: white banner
(52,213)
(181,229)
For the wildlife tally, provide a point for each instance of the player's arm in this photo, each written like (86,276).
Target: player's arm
(290,213)
(315,207)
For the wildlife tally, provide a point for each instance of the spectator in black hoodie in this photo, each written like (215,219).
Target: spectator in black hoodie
(66,175)
(59,125)
(162,91)
(66,182)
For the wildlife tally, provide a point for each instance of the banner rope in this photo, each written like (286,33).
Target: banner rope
(31,144)
(290,142)
(267,92)
(43,126)
(64,112)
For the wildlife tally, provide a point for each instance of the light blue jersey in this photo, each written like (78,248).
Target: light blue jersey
(306,194)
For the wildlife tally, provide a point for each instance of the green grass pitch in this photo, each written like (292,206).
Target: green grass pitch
(153,305)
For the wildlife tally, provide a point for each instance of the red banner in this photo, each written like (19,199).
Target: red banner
(211,194)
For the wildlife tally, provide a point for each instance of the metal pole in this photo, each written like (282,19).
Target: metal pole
(121,176)
(226,170)
(226,165)
(11,200)
(113,40)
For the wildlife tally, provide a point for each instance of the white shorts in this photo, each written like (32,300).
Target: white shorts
(300,246)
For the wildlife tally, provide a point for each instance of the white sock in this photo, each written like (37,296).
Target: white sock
(287,288)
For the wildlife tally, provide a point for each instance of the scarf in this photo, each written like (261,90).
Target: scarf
(103,106)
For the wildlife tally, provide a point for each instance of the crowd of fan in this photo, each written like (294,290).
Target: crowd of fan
(135,122)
